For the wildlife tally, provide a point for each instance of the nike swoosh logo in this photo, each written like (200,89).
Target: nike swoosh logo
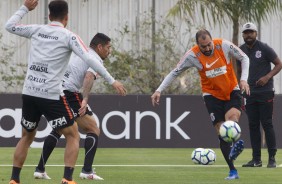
(210,65)
(255,165)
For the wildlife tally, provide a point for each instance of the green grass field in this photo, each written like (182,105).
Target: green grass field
(140,166)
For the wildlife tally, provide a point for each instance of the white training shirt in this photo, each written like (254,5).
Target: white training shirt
(51,47)
(76,70)
(190,60)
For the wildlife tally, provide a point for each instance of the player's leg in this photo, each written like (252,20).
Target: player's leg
(233,109)
(71,149)
(61,118)
(237,148)
(49,144)
(216,111)
(20,153)
(233,114)
(88,124)
(266,112)
(225,148)
(29,122)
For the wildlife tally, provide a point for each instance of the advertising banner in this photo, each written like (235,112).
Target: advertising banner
(180,121)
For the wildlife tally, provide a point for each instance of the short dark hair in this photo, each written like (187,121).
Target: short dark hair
(202,33)
(99,38)
(58,9)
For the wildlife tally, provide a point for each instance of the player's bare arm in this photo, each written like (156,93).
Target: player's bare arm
(276,69)
(156,98)
(119,88)
(244,86)
(87,86)
(31,4)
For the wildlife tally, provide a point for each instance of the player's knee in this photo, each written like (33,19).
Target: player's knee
(97,131)
(28,136)
(94,130)
(70,132)
(233,114)
(91,127)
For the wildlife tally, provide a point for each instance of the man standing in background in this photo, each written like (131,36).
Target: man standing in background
(259,104)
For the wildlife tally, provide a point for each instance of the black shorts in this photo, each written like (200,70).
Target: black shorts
(74,99)
(57,112)
(217,108)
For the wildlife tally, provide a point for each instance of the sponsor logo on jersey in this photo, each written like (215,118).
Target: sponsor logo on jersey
(78,46)
(236,51)
(59,122)
(47,36)
(258,54)
(217,46)
(18,29)
(36,89)
(36,79)
(176,69)
(212,116)
(210,65)
(63,83)
(28,124)
(216,72)
(39,68)
(67,74)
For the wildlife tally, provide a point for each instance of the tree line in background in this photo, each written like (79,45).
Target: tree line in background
(11,74)
(137,68)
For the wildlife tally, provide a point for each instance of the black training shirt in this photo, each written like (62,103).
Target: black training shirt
(261,56)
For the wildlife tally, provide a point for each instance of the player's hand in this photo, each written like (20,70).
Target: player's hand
(83,108)
(156,98)
(244,86)
(119,88)
(263,80)
(31,4)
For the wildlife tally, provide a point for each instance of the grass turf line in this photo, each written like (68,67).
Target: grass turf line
(142,165)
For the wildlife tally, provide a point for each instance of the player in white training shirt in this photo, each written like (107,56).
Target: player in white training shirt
(78,75)
(50,50)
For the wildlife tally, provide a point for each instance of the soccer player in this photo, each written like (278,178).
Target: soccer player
(78,75)
(51,47)
(259,105)
(221,92)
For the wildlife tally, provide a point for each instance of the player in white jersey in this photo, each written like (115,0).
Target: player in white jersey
(78,75)
(50,50)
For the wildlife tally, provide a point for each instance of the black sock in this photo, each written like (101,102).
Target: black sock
(225,149)
(68,173)
(90,146)
(16,174)
(49,145)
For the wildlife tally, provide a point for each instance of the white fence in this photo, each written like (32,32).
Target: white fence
(88,17)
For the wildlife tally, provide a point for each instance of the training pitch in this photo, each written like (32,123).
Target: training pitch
(145,166)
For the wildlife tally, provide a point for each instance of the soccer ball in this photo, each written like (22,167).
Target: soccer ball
(230,131)
(196,155)
(203,156)
(208,157)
